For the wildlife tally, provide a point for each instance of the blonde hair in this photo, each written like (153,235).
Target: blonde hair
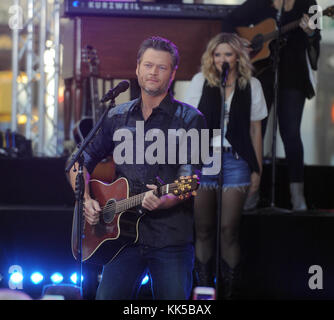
(208,68)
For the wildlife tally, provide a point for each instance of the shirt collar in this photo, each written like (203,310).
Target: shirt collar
(167,105)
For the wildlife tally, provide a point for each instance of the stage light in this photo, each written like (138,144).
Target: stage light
(16,277)
(74,277)
(36,278)
(75,3)
(57,277)
(145,280)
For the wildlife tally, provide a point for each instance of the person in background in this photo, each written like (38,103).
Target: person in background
(297,58)
(245,107)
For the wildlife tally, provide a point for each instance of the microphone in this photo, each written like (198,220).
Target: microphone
(224,75)
(113,93)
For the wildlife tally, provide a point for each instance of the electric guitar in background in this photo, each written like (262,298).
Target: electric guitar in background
(82,128)
(118,224)
(261,35)
(105,170)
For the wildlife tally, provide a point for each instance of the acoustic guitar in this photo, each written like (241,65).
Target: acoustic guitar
(118,224)
(261,35)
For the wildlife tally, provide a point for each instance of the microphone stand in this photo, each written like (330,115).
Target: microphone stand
(220,183)
(80,188)
(275,106)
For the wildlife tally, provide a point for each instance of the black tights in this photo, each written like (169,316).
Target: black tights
(289,113)
(206,221)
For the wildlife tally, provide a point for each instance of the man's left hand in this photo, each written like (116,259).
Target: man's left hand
(152,202)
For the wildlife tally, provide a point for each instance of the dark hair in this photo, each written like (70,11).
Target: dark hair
(162,44)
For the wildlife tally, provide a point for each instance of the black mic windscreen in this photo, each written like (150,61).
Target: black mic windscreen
(113,93)
(123,86)
(225,70)
(225,67)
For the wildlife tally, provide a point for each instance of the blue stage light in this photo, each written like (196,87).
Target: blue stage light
(36,278)
(57,277)
(74,277)
(16,277)
(145,280)
(75,3)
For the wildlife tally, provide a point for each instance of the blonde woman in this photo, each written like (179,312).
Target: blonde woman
(245,107)
(298,59)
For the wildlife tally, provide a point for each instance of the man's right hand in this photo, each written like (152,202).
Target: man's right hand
(92,211)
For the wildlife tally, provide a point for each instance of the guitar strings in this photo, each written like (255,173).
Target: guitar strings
(131,202)
(127,203)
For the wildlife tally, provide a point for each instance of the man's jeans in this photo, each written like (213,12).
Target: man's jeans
(169,268)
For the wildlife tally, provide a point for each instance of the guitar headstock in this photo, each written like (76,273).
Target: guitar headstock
(329,12)
(89,56)
(184,187)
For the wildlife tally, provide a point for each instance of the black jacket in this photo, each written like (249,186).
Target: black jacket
(238,128)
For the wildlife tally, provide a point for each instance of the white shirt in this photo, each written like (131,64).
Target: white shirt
(258,107)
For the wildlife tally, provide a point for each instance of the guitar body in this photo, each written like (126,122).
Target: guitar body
(118,225)
(257,32)
(103,241)
(104,170)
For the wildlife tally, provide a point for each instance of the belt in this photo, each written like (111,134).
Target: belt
(227,149)
(224,149)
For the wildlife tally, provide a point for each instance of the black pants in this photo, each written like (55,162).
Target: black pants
(289,112)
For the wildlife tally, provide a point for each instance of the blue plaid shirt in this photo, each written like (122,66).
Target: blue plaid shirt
(159,228)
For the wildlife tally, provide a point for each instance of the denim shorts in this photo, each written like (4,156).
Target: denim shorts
(236,173)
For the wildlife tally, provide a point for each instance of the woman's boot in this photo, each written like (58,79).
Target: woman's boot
(297,196)
(204,274)
(231,281)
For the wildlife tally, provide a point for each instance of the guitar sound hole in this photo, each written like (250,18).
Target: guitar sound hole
(109,211)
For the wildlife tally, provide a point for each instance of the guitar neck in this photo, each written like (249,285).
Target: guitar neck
(94,98)
(136,200)
(329,12)
(274,35)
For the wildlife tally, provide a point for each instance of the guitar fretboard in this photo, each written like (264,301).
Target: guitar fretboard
(126,204)
(284,29)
